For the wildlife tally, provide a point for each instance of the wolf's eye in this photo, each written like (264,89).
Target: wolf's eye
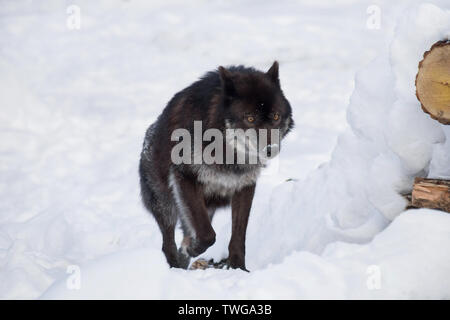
(250,119)
(276,117)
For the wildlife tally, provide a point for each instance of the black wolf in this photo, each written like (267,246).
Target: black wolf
(236,97)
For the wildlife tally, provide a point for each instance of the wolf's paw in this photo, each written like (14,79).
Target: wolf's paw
(236,262)
(196,249)
(198,246)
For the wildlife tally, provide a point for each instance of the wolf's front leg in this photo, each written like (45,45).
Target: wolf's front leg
(240,208)
(193,213)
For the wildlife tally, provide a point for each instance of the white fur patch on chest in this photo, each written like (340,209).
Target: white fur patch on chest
(225,183)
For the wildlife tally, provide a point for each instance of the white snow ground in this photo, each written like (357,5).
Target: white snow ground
(75,105)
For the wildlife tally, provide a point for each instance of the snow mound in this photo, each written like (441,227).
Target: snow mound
(389,142)
(414,246)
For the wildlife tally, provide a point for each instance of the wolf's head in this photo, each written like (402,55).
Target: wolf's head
(254,100)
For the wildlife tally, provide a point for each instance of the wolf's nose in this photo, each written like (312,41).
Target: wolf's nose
(271,150)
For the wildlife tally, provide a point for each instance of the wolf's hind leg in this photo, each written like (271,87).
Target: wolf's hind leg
(166,218)
(175,258)
(169,246)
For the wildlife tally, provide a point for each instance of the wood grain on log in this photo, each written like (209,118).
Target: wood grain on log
(431,193)
(433,82)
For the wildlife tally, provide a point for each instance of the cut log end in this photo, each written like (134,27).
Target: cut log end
(431,193)
(433,82)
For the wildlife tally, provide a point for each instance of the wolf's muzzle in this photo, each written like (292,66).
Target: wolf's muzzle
(271,150)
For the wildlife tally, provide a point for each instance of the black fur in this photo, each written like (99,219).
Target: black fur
(192,192)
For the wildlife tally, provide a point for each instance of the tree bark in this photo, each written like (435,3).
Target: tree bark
(431,193)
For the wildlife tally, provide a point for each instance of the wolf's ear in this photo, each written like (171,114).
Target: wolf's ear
(227,81)
(272,73)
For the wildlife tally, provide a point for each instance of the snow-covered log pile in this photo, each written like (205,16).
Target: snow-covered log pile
(433,92)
